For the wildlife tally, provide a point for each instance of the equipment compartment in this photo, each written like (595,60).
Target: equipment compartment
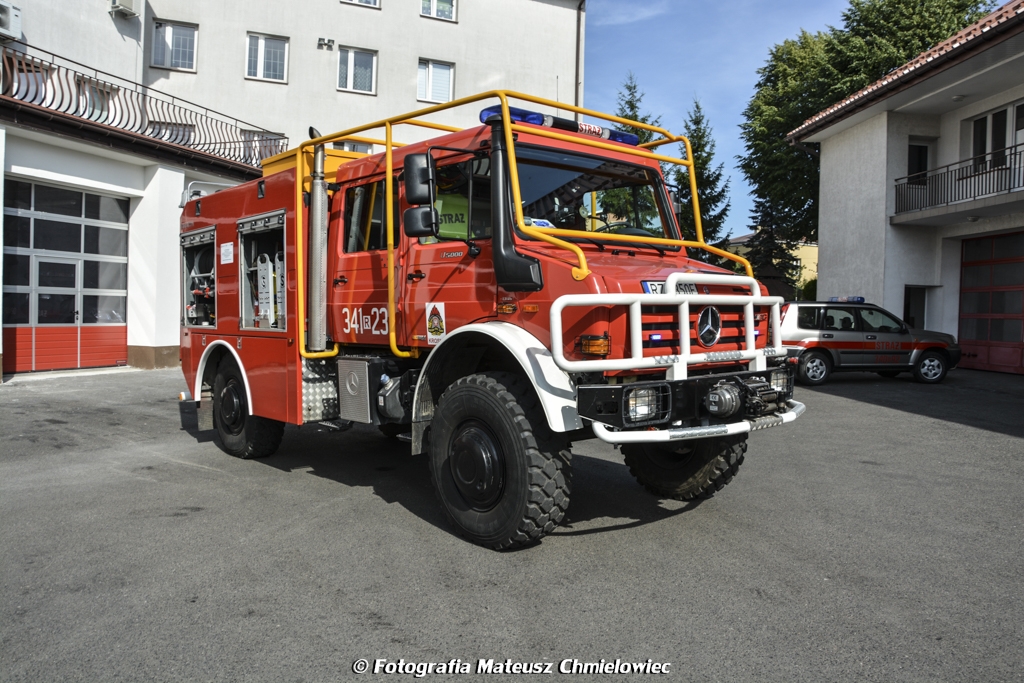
(199,281)
(262,283)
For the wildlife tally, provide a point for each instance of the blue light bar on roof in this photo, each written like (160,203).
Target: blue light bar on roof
(625,138)
(518,115)
(537,119)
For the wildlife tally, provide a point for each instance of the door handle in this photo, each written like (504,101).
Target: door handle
(416,276)
(76,316)
(871,336)
(826,335)
(340,280)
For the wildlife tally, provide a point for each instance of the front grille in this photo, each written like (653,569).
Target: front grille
(660,326)
(660,329)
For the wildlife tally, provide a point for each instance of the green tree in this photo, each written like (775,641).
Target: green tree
(881,35)
(790,89)
(629,101)
(807,74)
(628,203)
(770,254)
(712,192)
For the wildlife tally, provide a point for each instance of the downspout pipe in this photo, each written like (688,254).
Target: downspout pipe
(317,333)
(577,84)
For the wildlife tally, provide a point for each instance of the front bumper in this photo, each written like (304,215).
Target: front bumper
(796,409)
(676,410)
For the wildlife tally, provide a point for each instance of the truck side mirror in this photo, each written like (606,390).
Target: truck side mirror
(419,179)
(677,206)
(421,221)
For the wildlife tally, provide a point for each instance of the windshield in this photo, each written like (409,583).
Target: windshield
(597,196)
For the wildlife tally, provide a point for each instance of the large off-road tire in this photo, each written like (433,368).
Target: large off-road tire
(687,470)
(241,434)
(502,475)
(815,367)
(931,367)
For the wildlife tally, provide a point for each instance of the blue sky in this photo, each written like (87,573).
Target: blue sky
(685,49)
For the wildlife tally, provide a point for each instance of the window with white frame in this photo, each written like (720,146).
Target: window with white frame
(439,9)
(993,133)
(267,58)
(357,70)
(435,81)
(174,46)
(367,3)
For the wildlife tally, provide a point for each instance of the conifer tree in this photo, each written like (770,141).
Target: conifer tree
(770,253)
(712,192)
(624,202)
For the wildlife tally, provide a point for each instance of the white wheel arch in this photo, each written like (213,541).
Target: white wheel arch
(557,395)
(197,390)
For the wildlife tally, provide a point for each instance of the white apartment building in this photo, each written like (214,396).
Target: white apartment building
(922,191)
(110,109)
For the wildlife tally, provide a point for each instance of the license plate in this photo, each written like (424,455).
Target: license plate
(652,287)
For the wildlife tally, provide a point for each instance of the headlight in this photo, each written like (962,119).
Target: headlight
(781,381)
(648,404)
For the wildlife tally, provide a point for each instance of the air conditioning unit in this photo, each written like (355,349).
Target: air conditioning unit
(125,7)
(10,21)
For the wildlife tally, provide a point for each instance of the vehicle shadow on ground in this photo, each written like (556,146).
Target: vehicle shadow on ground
(362,457)
(992,401)
(190,422)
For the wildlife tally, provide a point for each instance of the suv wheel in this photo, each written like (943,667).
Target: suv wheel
(931,367)
(815,367)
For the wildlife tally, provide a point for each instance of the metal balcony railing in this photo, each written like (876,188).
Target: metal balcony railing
(48,81)
(988,174)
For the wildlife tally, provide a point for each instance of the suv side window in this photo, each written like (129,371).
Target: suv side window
(809,317)
(874,320)
(839,320)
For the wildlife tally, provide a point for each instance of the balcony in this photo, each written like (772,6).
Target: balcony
(983,186)
(50,93)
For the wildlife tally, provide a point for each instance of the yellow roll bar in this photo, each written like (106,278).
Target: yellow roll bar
(548,235)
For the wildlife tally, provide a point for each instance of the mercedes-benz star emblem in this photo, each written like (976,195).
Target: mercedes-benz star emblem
(709,326)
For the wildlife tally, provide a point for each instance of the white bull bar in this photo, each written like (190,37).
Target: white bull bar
(675,365)
(751,424)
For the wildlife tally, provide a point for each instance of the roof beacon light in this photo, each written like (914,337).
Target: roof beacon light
(537,119)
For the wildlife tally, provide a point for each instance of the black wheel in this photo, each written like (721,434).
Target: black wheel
(241,434)
(689,470)
(889,374)
(931,367)
(815,367)
(501,474)
(392,430)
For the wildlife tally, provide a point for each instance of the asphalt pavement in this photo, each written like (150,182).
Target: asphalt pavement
(878,538)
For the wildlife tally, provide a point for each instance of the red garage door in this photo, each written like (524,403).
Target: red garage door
(992,303)
(65,278)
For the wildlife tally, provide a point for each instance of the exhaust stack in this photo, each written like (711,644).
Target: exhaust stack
(317,336)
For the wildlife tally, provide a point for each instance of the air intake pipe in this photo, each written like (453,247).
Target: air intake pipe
(317,335)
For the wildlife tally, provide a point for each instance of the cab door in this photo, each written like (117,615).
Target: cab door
(359,283)
(840,332)
(887,341)
(450,279)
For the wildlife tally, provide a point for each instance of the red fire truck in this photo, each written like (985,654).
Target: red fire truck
(490,295)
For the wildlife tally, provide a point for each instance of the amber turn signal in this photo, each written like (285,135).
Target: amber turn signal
(593,345)
(506,308)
